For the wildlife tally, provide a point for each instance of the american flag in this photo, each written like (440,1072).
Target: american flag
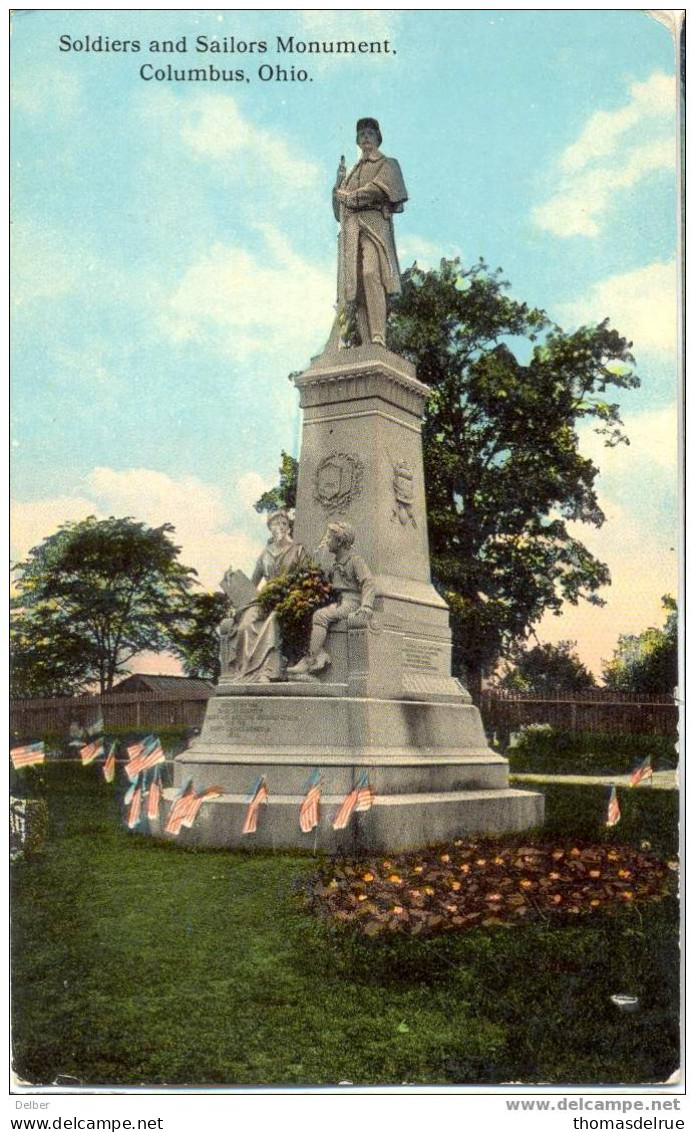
(154,797)
(258,795)
(196,802)
(31,754)
(135,807)
(109,767)
(134,750)
(179,808)
(309,809)
(365,795)
(149,754)
(613,815)
(643,772)
(91,751)
(360,798)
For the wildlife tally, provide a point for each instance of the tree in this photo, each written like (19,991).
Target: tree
(547,670)
(647,662)
(195,642)
(92,596)
(285,494)
(503,471)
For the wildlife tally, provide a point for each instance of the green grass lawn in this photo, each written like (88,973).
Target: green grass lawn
(136,962)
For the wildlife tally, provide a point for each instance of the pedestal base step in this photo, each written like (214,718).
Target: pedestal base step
(395,821)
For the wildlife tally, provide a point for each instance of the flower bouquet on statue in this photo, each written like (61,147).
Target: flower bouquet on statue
(293,598)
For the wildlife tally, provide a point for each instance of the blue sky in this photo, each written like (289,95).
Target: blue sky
(174,250)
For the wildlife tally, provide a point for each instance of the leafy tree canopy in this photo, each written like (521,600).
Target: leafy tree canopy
(648,661)
(547,670)
(284,495)
(503,471)
(89,598)
(194,640)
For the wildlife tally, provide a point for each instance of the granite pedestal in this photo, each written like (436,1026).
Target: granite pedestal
(387,703)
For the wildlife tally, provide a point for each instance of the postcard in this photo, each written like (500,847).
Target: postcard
(346,552)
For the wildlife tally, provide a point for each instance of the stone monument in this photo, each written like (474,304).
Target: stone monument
(374,692)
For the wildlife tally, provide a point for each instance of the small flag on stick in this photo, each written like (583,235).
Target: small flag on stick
(365,795)
(149,753)
(91,751)
(360,798)
(309,809)
(613,815)
(154,797)
(109,767)
(179,808)
(642,773)
(135,807)
(197,801)
(258,795)
(31,754)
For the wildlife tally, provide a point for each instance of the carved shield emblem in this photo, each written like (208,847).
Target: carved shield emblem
(338,480)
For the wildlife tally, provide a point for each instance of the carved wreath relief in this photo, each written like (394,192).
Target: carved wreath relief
(404,493)
(338,481)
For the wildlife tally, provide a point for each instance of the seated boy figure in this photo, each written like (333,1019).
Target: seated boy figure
(349,575)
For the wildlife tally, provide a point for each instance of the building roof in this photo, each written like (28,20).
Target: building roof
(172,687)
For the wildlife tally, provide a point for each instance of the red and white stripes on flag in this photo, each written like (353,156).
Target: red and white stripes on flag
(135,808)
(179,808)
(31,754)
(148,754)
(197,801)
(258,796)
(154,798)
(613,815)
(309,809)
(360,798)
(109,767)
(642,773)
(91,751)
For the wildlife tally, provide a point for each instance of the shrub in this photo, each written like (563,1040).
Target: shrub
(538,748)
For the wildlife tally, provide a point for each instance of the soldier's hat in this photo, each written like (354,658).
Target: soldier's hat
(369,124)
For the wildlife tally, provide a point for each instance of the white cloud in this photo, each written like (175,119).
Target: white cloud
(213,127)
(642,304)
(426,253)
(203,521)
(44,263)
(51,92)
(614,152)
(653,449)
(244,304)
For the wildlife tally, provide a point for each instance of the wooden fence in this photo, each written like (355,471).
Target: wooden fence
(626,713)
(134,710)
(504,712)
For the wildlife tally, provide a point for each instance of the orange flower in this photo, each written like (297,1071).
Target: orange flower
(419,869)
(623,872)
(397,909)
(456,884)
(464,868)
(429,890)
(499,860)
(494,896)
(451,908)
(333,884)
(387,864)
(575,852)
(595,903)
(594,873)
(556,899)
(526,883)
(558,853)
(554,876)
(362,896)
(368,877)
(445,857)
(395,879)
(627,895)
(481,861)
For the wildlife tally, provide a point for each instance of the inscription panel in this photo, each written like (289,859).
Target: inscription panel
(247,723)
(419,656)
